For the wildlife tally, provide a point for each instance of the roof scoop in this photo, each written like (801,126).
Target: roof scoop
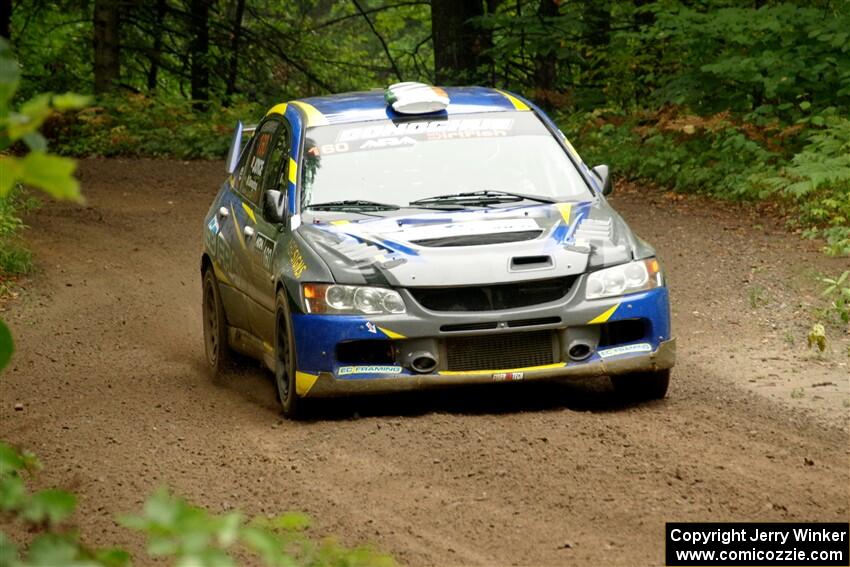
(416,98)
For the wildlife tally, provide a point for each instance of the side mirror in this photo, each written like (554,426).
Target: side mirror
(604,175)
(235,148)
(274,206)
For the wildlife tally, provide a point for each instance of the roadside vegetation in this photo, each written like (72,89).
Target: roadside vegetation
(176,530)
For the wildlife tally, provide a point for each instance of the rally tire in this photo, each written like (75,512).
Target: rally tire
(284,358)
(643,385)
(217,351)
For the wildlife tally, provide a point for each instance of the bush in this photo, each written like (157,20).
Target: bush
(805,166)
(175,529)
(140,126)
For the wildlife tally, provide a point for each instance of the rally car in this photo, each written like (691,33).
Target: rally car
(419,237)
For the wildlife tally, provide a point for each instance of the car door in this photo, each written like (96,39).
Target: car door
(243,212)
(227,248)
(267,234)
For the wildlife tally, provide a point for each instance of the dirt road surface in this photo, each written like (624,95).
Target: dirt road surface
(116,402)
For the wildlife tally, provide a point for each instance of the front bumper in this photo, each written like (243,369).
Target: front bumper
(325,384)
(323,371)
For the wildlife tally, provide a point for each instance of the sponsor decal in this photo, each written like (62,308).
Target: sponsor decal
(627,349)
(507,376)
(264,246)
(435,129)
(372,369)
(296,259)
(370,326)
(213,224)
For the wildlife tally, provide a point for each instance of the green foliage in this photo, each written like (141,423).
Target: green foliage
(837,291)
(186,534)
(7,345)
(805,167)
(743,59)
(140,126)
(193,536)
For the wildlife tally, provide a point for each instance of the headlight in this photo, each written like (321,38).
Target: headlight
(333,299)
(625,278)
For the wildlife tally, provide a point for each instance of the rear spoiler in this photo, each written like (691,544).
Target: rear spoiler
(236,144)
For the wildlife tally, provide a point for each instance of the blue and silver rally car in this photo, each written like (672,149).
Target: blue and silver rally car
(418,237)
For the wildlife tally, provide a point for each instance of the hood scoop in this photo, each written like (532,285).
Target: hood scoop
(478,239)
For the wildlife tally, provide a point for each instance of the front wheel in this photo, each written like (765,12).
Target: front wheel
(284,350)
(643,385)
(218,353)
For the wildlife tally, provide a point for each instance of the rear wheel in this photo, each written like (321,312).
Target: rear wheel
(218,353)
(284,350)
(643,385)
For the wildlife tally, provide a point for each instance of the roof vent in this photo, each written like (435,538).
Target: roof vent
(416,98)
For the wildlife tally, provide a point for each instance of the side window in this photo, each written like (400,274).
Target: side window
(251,173)
(276,173)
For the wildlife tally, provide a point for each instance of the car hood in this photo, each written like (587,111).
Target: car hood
(472,247)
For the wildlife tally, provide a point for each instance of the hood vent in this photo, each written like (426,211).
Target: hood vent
(478,239)
(592,230)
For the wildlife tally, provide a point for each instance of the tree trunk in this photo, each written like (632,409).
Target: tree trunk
(235,37)
(458,45)
(6,19)
(107,59)
(156,52)
(199,71)
(546,62)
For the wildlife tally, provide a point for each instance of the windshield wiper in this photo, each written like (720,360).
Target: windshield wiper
(482,197)
(353,204)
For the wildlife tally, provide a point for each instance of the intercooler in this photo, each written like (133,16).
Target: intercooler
(502,350)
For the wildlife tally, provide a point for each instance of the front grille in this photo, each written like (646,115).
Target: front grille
(493,297)
(499,351)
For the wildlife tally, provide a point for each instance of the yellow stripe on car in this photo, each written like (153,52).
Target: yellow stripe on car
(303,382)
(314,117)
(249,211)
(572,149)
(293,171)
(565,210)
(603,317)
(238,228)
(502,370)
(518,104)
(391,334)
(277,109)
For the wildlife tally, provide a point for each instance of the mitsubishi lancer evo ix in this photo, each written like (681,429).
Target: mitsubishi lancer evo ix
(425,237)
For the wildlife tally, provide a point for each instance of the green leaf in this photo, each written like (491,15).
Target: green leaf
(70,101)
(112,557)
(12,171)
(54,550)
(7,346)
(13,492)
(29,117)
(50,505)
(52,174)
(8,551)
(805,105)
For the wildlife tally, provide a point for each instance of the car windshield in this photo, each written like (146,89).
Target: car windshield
(398,162)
